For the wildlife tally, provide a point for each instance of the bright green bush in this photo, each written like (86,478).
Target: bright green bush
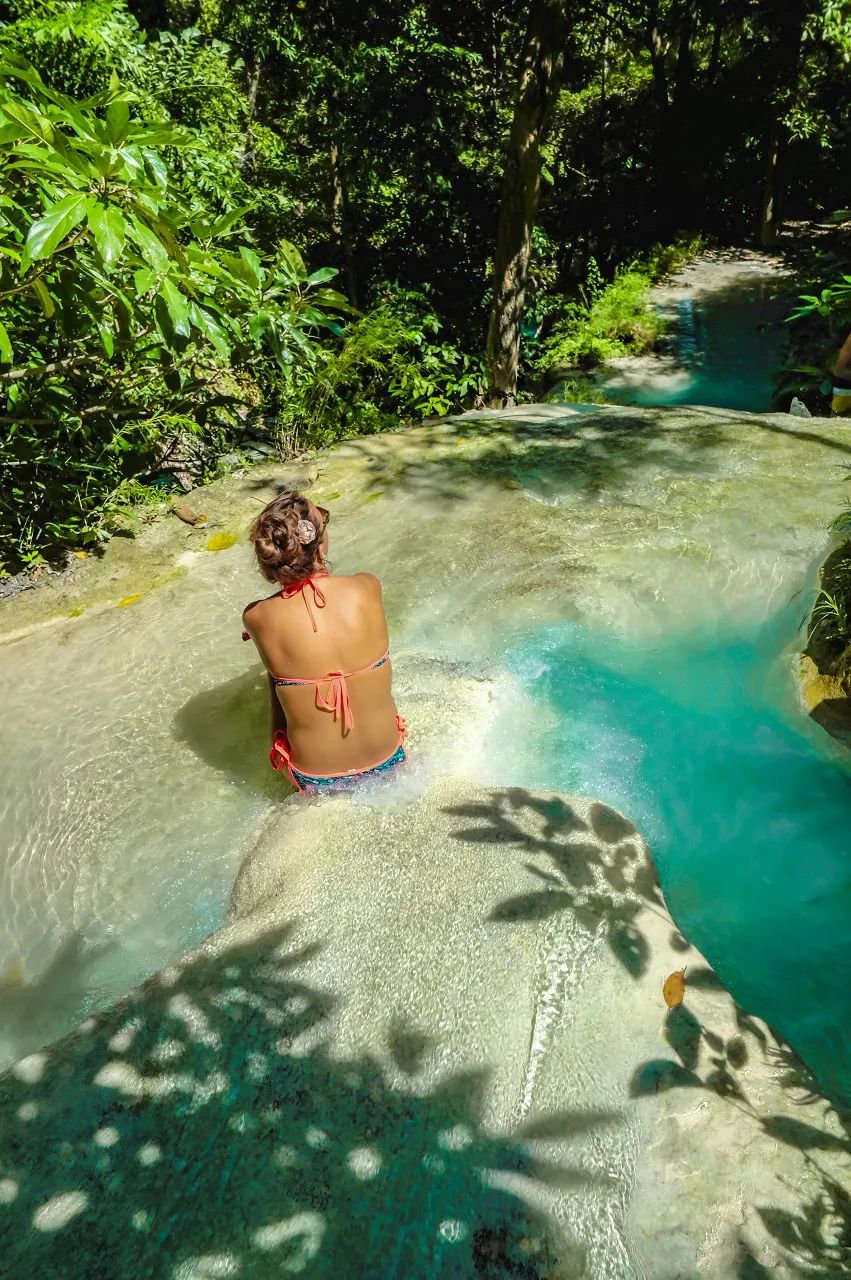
(389,368)
(612,319)
(125,316)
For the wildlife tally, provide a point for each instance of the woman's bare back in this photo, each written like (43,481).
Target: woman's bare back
(351,634)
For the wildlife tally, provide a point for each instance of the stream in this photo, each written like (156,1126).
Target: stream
(725,342)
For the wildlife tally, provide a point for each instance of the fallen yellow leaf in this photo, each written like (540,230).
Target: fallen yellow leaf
(221,541)
(674,989)
(125,600)
(81,555)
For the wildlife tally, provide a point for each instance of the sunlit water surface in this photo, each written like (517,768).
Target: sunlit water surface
(696,737)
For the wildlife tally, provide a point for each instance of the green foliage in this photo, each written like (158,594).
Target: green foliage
(819,326)
(842,524)
(371,137)
(612,319)
(123,310)
(390,367)
(830,617)
(832,304)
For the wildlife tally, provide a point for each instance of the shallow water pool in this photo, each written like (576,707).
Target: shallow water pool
(695,737)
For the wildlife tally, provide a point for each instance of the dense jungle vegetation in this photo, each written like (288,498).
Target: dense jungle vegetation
(232,227)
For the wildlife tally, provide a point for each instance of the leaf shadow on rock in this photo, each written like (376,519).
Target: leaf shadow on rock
(573,453)
(594,868)
(814,1237)
(205,1127)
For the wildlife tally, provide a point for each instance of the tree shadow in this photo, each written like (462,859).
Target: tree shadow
(227,726)
(597,870)
(204,1127)
(30,1010)
(814,1238)
(578,452)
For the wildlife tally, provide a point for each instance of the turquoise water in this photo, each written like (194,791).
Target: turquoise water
(726,341)
(696,739)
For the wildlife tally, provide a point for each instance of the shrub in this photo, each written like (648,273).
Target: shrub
(612,319)
(123,311)
(388,368)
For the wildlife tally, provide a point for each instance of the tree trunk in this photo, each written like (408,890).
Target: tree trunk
(656,48)
(768,220)
(602,219)
(786,62)
(685,66)
(340,221)
(245,157)
(521,187)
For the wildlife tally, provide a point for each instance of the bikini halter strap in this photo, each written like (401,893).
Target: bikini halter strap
(293,589)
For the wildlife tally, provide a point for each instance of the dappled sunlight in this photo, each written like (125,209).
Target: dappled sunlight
(264,1153)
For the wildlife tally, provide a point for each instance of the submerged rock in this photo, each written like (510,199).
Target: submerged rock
(431,1041)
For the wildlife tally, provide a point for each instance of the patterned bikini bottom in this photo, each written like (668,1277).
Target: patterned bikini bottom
(322,784)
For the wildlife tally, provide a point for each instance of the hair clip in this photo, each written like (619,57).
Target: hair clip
(305,531)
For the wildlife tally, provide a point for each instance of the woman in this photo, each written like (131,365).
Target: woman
(841,402)
(323,640)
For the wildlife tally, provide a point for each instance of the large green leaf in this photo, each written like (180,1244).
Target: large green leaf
(157,166)
(210,327)
(255,271)
(107,338)
(12,132)
(153,250)
(143,279)
(117,120)
(292,262)
(323,274)
(106,223)
(5,345)
(33,125)
(47,303)
(47,232)
(177,307)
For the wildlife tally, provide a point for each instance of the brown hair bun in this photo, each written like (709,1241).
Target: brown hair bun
(281,554)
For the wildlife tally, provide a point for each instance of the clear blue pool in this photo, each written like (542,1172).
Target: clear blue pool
(696,738)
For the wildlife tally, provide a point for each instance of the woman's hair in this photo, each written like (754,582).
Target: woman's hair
(281,534)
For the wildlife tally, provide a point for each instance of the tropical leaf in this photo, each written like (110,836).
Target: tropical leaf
(106,223)
(49,231)
(117,120)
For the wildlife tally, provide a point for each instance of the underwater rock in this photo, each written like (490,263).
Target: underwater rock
(798,409)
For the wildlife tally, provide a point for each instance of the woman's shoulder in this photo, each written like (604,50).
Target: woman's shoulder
(368,582)
(365,584)
(256,610)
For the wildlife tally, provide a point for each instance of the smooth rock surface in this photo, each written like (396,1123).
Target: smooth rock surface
(430,1042)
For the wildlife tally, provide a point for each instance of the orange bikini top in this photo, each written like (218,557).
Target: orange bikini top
(332,693)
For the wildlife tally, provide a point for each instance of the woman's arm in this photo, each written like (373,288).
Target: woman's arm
(842,367)
(277,719)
